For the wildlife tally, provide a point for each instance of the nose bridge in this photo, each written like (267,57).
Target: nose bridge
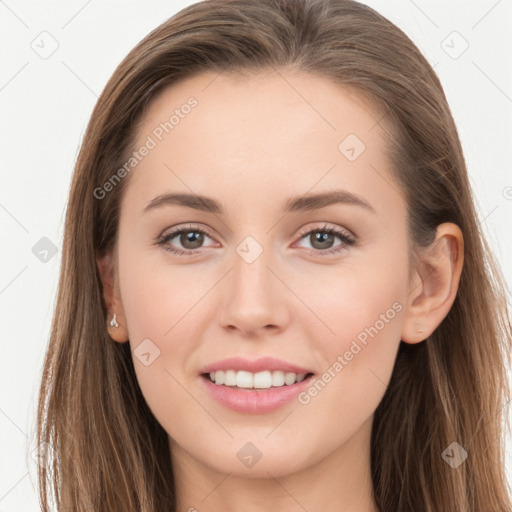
(251,299)
(250,275)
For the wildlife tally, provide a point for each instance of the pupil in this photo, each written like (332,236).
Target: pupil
(319,237)
(195,239)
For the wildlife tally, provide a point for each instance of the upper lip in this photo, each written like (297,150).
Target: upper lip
(253,366)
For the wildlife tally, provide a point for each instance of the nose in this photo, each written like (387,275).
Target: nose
(253,297)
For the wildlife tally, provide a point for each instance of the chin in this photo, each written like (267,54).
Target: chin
(256,457)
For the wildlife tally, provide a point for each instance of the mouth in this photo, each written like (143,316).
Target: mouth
(254,385)
(253,382)
(257,393)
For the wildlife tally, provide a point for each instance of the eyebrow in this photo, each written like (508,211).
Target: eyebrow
(293,204)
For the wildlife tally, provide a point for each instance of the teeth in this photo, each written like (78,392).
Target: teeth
(229,378)
(260,380)
(277,379)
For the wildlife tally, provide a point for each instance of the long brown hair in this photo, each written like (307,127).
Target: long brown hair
(109,452)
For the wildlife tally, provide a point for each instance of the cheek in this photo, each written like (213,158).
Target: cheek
(357,332)
(364,319)
(161,302)
(165,313)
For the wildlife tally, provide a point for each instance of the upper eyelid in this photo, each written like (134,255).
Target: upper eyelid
(328,227)
(176,231)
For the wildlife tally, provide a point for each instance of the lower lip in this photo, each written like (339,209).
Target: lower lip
(254,400)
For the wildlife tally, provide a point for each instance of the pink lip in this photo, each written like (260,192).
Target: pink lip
(254,400)
(258,365)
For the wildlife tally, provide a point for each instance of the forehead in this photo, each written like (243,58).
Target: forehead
(245,136)
(293,103)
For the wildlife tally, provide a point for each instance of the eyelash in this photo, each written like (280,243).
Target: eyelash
(347,240)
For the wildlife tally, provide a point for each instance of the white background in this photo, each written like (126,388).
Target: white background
(46,103)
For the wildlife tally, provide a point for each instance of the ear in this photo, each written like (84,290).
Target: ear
(112,298)
(434,284)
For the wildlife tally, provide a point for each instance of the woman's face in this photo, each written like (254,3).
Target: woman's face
(264,280)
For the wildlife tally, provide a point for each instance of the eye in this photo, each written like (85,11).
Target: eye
(190,237)
(323,238)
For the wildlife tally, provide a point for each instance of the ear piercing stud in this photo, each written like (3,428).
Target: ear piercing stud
(113,322)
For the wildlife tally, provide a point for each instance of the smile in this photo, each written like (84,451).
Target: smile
(254,400)
(260,380)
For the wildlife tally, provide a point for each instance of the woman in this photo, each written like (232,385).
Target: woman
(202,357)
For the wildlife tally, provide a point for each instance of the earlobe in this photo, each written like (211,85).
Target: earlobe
(435,284)
(115,322)
(117,331)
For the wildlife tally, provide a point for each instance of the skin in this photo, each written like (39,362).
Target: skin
(251,143)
